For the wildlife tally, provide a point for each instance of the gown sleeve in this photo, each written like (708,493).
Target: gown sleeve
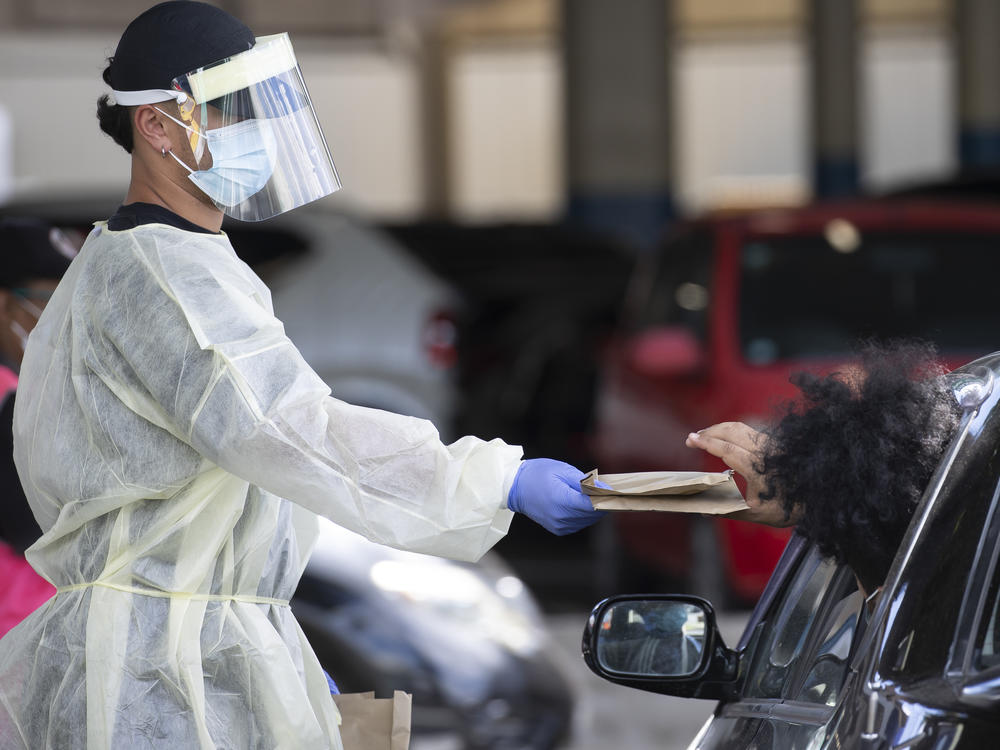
(200,353)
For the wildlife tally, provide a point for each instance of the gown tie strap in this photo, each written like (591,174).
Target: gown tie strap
(189,596)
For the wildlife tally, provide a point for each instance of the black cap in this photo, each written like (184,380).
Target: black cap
(174,38)
(32,249)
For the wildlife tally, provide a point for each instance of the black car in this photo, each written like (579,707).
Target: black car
(819,666)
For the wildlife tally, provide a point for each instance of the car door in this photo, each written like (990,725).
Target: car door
(795,654)
(931,663)
(927,669)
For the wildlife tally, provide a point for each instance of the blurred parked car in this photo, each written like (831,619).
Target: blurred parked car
(466,640)
(716,321)
(817,667)
(377,325)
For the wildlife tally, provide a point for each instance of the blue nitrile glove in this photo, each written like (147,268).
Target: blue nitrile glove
(548,492)
(334,690)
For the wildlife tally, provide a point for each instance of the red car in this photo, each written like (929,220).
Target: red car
(731,305)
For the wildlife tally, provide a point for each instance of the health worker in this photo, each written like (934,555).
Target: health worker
(176,449)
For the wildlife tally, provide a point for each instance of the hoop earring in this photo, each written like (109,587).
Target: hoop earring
(163,152)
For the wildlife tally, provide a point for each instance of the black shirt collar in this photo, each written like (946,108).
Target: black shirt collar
(131,215)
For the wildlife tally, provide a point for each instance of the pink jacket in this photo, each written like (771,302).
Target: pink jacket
(22,590)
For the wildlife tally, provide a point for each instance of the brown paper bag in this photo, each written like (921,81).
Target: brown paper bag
(370,723)
(675,491)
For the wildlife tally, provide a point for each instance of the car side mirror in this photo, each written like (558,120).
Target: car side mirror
(666,351)
(666,644)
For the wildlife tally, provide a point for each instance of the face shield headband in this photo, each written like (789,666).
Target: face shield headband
(253,131)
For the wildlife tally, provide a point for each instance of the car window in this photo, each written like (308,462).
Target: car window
(927,605)
(900,285)
(673,287)
(986,652)
(988,643)
(828,663)
(811,627)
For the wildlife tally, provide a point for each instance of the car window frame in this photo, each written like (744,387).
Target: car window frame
(981,601)
(787,706)
(811,565)
(939,509)
(840,583)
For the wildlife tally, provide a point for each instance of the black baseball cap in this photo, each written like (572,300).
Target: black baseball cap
(174,38)
(32,249)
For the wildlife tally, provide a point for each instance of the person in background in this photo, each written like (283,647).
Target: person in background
(176,448)
(849,461)
(35,256)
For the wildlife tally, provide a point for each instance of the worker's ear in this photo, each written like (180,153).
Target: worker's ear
(148,125)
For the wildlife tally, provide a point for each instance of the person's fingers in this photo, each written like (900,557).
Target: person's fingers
(738,445)
(736,456)
(737,433)
(578,512)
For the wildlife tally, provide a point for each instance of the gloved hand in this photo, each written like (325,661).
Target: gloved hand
(548,492)
(334,690)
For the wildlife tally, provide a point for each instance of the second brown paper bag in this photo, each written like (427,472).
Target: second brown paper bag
(370,723)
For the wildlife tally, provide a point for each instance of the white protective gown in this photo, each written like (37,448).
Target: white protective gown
(162,416)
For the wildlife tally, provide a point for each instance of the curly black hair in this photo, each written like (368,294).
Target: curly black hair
(854,455)
(114,119)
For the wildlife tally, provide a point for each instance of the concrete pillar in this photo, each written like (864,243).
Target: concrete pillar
(618,125)
(977,54)
(435,111)
(833,95)
(6,154)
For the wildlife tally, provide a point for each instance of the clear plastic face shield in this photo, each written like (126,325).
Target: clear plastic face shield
(253,132)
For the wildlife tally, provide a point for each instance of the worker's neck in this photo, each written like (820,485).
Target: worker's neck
(175,199)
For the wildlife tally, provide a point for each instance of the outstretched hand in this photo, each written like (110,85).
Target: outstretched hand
(739,446)
(548,492)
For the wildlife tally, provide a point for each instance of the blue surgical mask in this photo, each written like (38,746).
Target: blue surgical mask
(243,156)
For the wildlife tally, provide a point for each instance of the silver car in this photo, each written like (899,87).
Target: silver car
(373,322)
